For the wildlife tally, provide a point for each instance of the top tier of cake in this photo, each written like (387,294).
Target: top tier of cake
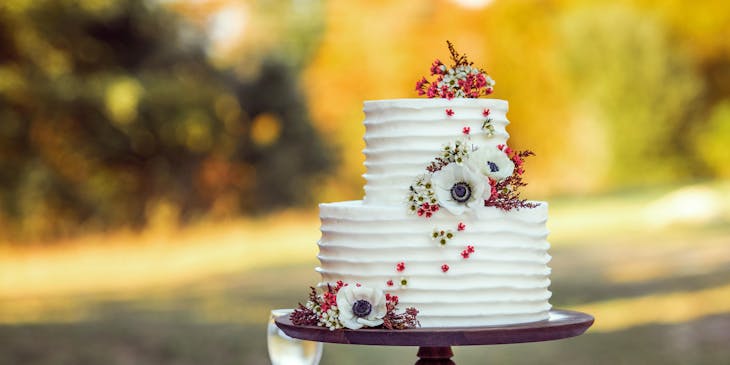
(402,136)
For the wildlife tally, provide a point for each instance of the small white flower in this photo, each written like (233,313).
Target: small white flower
(491,162)
(458,189)
(450,80)
(456,151)
(360,306)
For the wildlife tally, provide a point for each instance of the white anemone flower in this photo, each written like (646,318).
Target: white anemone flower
(491,162)
(458,188)
(360,306)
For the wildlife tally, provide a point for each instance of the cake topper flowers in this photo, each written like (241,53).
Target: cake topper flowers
(460,80)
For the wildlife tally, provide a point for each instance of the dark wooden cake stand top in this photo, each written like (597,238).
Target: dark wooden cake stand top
(435,343)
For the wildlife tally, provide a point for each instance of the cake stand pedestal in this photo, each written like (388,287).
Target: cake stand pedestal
(435,343)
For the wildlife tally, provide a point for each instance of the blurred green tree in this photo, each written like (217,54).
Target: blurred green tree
(639,85)
(111,114)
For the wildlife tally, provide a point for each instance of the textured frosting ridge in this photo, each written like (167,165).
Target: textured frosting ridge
(492,269)
(504,281)
(403,135)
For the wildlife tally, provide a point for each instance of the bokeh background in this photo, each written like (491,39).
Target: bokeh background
(161,161)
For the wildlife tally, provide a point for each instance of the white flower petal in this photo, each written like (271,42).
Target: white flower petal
(370,323)
(349,295)
(444,179)
(486,159)
(352,323)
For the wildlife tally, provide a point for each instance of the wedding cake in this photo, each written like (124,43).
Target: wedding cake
(442,229)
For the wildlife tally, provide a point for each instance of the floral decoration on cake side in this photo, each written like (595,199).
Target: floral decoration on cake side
(354,307)
(466,177)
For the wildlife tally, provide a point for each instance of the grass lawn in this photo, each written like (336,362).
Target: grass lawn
(656,277)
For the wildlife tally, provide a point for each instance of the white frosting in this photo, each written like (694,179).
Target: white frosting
(402,136)
(504,281)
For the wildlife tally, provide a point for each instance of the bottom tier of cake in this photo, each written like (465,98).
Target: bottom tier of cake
(469,270)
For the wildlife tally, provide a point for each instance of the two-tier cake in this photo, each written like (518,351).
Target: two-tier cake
(442,229)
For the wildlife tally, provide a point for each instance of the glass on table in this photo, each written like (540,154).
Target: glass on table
(284,350)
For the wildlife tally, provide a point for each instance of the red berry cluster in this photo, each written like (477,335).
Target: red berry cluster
(329,297)
(391,299)
(516,157)
(467,252)
(329,300)
(427,210)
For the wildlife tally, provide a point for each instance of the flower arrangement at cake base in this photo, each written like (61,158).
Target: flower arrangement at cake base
(354,307)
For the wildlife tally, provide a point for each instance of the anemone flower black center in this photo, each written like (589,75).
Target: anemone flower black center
(461,192)
(361,308)
(492,166)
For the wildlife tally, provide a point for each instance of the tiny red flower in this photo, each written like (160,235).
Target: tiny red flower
(436,68)
(358,285)
(432,91)
(427,210)
(461,226)
(400,266)
(449,112)
(481,80)
(486,112)
(465,254)
(390,283)
(500,146)
(470,249)
(466,130)
(444,268)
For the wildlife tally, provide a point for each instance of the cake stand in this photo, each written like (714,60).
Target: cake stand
(435,343)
